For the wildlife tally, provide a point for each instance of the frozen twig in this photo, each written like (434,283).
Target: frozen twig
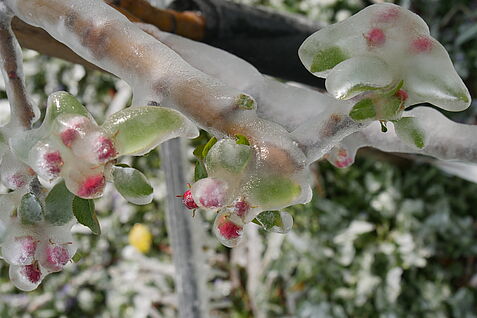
(22,111)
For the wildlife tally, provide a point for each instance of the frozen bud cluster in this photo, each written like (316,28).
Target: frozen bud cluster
(240,186)
(380,48)
(33,241)
(71,145)
(383,60)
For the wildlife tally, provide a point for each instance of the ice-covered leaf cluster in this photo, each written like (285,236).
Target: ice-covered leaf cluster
(383,60)
(239,185)
(384,47)
(35,235)
(69,144)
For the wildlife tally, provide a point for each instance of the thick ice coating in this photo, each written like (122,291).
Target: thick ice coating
(71,145)
(442,139)
(382,45)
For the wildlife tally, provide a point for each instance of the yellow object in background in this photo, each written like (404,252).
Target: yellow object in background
(140,237)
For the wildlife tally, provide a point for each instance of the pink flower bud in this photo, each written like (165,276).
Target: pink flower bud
(422,44)
(32,272)
(241,208)
(375,37)
(53,162)
(92,186)
(402,94)
(57,257)
(229,230)
(188,200)
(210,193)
(68,136)
(28,247)
(105,149)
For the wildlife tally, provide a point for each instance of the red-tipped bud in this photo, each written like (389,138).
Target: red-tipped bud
(56,257)
(375,37)
(68,136)
(188,200)
(53,161)
(422,44)
(229,230)
(28,247)
(32,272)
(92,186)
(402,94)
(241,208)
(105,149)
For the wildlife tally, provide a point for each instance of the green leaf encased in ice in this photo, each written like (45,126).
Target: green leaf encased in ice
(200,172)
(132,185)
(58,205)
(327,59)
(274,221)
(137,130)
(275,191)
(30,210)
(84,212)
(229,155)
(242,140)
(63,103)
(363,110)
(207,147)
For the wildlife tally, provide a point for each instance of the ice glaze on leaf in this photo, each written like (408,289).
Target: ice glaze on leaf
(132,185)
(357,75)
(274,192)
(393,35)
(58,205)
(30,210)
(200,172)
(327,59)
(363,110)
(275,221)
(410,132)
(228,155)
(63,103)
(137,130)
(84,212)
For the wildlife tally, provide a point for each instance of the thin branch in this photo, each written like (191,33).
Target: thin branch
(22,111)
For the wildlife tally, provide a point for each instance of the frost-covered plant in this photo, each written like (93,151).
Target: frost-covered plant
(377,63)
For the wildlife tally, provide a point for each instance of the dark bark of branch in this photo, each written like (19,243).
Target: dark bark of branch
(268,40)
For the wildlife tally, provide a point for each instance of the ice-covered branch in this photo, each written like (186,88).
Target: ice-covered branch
(22,111)
(444,139)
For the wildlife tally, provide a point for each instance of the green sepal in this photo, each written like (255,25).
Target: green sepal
(242,140)
(327,59)
(30,210)
(363,110)
(77,257)
(132,184)
(200,172)
(58,205)
(274,221)
(84,212)
(207,147)
(244,101)
(409,131)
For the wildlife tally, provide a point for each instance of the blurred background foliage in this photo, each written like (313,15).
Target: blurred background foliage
(383,238)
